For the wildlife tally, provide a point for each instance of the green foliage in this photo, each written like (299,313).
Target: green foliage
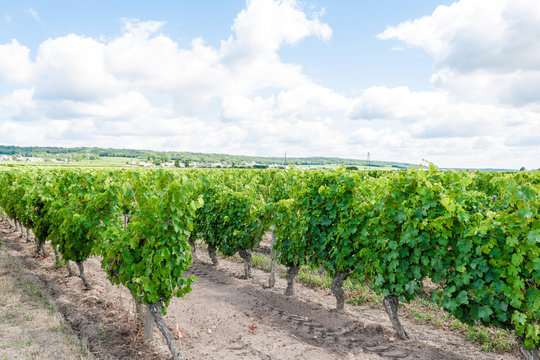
(475,235)
(82,207)
(150,254)
(234,214)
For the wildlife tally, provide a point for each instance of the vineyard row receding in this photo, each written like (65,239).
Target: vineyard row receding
(474,235)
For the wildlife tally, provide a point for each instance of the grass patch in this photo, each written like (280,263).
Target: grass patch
(17,344)
(80,347)
(492,340)
(261,262)
(356,293)
(9,316)
(258,261)
(103,337)
(36,294)
(313,278)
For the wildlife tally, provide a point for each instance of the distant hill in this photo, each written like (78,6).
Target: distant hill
(87,153)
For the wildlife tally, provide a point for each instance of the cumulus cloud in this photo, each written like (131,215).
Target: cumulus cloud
(142,89)
(265,25)
(15,64)
(143,84)
(486,50)
(437,115)
(500,35)
(73,68)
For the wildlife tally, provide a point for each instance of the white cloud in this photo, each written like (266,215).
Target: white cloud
(265,25)
(142,89)
(468,35)
(17,104)
(436,114)
(73,68)
(15,64)
(141,29)
(34,14)
(485,50)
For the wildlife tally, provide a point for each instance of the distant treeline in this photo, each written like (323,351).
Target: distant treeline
(92,153)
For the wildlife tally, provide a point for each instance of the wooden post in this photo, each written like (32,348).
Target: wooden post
(272,279)
(148,324)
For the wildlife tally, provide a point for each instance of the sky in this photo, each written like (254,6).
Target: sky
(455,83)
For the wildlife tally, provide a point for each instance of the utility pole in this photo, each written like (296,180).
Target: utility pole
(368,161)
(285,159)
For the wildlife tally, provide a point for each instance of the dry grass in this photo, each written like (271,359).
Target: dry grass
(30,326)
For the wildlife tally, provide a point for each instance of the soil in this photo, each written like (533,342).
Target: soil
(224,317)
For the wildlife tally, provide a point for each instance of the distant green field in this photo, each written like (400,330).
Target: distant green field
(122,157)
(100,162)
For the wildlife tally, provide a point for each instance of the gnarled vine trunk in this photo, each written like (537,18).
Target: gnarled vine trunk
(213,255)
(527,354)
(246,255)
(69,269)
(22,230)
(193,247)
(155,309)
(391,304)
(57,260)
(40,247)
(337,289)
(292,271)
(83,277)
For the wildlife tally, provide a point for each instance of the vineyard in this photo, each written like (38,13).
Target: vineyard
(467,241)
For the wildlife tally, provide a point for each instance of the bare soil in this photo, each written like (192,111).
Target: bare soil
(224,317)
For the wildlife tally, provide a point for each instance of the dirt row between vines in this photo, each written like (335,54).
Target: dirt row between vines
(224,317)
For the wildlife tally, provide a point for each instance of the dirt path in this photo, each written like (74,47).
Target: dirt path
(225,317)
(30,326)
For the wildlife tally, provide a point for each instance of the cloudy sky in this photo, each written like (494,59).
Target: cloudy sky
(454,82)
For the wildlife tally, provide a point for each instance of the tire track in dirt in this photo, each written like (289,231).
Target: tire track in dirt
(333,332)
(217,317)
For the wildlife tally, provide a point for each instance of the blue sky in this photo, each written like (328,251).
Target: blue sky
(406,80)
(353,59)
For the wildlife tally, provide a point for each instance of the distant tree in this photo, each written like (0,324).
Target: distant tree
(522,168)
(186,163)
(352,168)
(177,163)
